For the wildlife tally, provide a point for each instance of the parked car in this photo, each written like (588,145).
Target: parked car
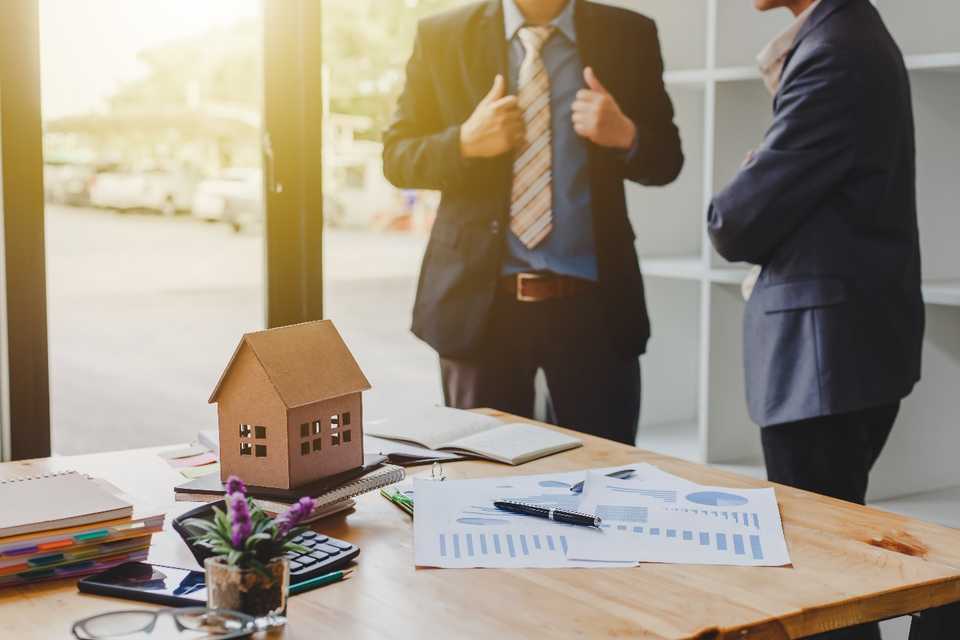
(153,190)
(234,197)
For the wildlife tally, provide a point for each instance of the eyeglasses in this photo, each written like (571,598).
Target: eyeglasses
(193,623)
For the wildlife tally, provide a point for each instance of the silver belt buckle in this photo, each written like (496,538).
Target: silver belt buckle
(524,277)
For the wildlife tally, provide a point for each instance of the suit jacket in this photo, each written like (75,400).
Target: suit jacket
(828,207)
(456,56)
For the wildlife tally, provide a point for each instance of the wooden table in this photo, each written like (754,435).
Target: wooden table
(851,564)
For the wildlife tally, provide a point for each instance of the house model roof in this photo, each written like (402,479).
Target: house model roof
(306,363)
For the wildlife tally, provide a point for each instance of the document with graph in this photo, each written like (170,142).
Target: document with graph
(457,526)
(669,519)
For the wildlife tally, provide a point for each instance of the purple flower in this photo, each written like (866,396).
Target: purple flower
(235,485)
(293,516)
(240,522)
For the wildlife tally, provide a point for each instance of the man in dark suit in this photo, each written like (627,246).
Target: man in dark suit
(528,115)
(827,206)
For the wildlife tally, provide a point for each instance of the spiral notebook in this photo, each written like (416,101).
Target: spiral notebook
(56,500)
(382,476)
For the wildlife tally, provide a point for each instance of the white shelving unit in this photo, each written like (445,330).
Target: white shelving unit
(694,404)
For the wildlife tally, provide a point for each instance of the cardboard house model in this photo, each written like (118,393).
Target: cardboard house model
(289,407)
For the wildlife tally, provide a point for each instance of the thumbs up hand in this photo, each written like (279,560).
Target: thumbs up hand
(495,126)
(598,118)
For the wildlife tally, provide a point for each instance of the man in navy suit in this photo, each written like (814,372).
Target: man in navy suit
(827,207)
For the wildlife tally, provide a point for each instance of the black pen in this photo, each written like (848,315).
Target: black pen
(557,515)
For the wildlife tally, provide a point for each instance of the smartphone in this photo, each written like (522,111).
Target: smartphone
(154,583)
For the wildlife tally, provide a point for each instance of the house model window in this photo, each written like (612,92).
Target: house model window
(289,390)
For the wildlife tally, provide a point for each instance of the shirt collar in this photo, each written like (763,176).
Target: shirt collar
(513,19)
(770,60)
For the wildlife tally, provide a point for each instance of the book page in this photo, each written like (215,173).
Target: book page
(432,427)
(516,443)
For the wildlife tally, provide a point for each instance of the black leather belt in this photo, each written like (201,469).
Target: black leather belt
(537,287)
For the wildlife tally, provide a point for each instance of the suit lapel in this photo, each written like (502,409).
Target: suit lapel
(824,10)
(488,54)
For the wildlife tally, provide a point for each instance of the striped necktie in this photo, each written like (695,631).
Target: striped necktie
(531,207)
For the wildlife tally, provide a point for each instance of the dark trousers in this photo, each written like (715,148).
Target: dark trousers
(832,456)
(593,389)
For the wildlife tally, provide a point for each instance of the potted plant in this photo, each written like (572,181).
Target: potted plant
(249,571)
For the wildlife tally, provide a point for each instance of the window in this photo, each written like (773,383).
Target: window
(261,450)
(334,421)
(246,448)
(346,419)
(346,436)
(317,444)
(244,431)
(261,432)
(304,448)
(316,427)
(335,439)
(305,430)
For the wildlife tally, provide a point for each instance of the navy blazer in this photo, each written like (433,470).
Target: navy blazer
(828,207)
(455,58)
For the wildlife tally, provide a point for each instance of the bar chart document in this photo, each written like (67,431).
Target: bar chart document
(457,526)
(669,519)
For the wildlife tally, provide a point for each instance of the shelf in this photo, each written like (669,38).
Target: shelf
(918,62)
(935,61)
(682,268)
(934,506)
(942,292)
(677,439)
(728,275)
(686,77)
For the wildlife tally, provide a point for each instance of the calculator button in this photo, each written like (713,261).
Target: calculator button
(291,555)
(307,561)
(339,544)
(327,548)
(320,538)
(294,565)
(308,534)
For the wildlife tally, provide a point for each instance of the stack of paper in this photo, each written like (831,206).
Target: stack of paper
(651,516)
(65,524)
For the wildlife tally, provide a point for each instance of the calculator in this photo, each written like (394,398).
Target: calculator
(324,554)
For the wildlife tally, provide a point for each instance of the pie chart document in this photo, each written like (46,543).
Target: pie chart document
(664,518)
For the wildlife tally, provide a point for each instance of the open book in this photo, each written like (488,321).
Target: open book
(474,434)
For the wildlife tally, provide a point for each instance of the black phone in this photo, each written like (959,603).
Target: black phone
(154,583)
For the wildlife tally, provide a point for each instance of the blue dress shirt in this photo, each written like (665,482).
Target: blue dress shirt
(569,249)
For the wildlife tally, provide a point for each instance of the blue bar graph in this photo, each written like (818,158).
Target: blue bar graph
(755,548)
(456,545)
(483,544)
(688,535)
(536,541)
(469,537)
(523,545)
(510,548)
(638,529)
(671,533)
(721,541)
(443,545)
(654,531)
(496,542)
(563,544)
(738,544)
(704,538)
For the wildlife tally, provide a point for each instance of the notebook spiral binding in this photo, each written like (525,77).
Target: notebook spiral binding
(386,475)
(42,476)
